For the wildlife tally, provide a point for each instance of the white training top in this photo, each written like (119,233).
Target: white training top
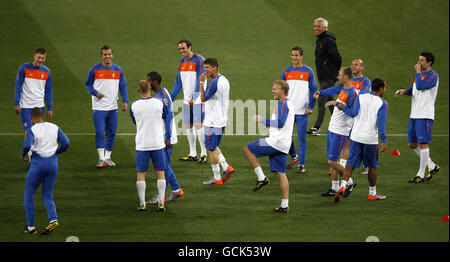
(216,106)
(281,138)
(45,141)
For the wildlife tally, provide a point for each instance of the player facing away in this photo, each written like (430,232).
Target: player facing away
(216,98)
(370,112)
(42,140)
(276,146)
(420,128)
(33,88)
(104,82)
(153,135)
(339,127)
(302,86)
(362,85)
(154,78)
(193,110)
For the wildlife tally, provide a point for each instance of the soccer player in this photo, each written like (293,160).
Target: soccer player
(153,136)
(362,85)
(193,111)
(370,112)
(33,88)
(339,127)
(104,82)
(276,146)
(302,86)
(154,78)
(42,140)
(420,128)
(216,98)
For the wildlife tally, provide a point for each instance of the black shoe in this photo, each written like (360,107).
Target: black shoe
(33,230)
(416,180)
(189,158)
(313,131)
(349,189)
(260,184)
(431,173)
(203,160)
(281,210)
(329,193)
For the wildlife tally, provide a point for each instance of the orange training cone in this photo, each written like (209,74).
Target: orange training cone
(444,218)
(395,152)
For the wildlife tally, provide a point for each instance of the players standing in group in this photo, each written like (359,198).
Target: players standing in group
(42,140)
(104,82)
(277,145)
(420,128)
(302,86)
(154,78)
(153,135)
(339,127)
(34,88)
(216,98)
(370,112)
(193,111)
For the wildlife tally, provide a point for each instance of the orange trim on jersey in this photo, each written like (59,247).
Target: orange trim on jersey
(434,73)
(357,84)
(343,96)
(36,74)
(296,75)
(107,74)
(282,107)
(188,67)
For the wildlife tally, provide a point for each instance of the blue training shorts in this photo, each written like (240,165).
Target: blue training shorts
(213,135)
(368,154)
(193,114)
(420,130)
(25,117)
(335,143)
(143,159)
(277,159)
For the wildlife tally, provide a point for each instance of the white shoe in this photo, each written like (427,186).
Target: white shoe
(109,162)
(365,171)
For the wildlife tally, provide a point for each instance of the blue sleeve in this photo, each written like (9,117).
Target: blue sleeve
(381,121)
(29,137)
(283,77)
(19,82)
(123,88)
(282,113)
(177,86)
(332,91)
(211,89)
(353,109)
(49,92)
(408,91)
(90,83)
(167,117)
(312,90)
(63,140)
(428,82)
(365,87)
(131,114)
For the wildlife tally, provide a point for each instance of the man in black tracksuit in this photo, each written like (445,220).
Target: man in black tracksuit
(328,64)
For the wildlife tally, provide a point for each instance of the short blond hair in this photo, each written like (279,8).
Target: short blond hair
(323,21)
(283,85)
(144,86)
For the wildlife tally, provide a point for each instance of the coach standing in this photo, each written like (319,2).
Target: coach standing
(328,63)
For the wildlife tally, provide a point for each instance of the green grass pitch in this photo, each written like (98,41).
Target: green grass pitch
(252,41)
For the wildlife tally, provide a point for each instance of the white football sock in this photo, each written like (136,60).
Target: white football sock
(259,173)
(350,181)
(223,162)
(335,185)
(373,190)
(343,162)
(424,156)
(343,183)
(140,186)
(216,171)
(201,141)
(161,185)
(101,153)
(284,203)
(191,139)
(431,165)
(108,154)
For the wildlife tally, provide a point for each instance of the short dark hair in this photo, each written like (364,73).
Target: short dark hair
(155,76)
(36,112)
(212,62)
(184,40)
(299,49)
(377,83)
(40,50)
(348,72)
(105,47)
(429,56)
